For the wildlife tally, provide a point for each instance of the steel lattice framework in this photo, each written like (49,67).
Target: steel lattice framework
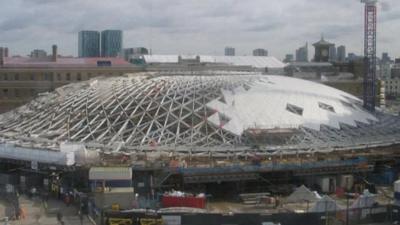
(370,54)
(173,112)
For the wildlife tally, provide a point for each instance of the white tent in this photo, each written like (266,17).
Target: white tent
(303,194)
(365,200)
(326,203)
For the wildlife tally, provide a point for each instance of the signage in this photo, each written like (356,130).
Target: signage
(115,207)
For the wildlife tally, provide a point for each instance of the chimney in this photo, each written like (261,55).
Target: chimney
(1,56)
(6,52)
(54,56)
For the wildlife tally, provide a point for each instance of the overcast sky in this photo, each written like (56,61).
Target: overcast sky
(196,26)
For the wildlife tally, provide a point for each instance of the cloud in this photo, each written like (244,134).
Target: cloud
(193,26)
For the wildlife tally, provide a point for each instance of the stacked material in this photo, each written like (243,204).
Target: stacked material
(303,194)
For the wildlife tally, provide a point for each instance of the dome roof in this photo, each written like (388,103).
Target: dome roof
(240,110)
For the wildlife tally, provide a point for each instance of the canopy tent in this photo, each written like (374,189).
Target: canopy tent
(302,194)
(324,204)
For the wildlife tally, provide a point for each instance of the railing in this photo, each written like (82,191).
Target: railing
(270,166)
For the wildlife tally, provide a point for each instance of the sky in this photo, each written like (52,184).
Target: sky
(196,26)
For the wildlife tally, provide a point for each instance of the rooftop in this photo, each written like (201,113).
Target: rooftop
(18,62)
(220,111)
(323,42)
(254,61)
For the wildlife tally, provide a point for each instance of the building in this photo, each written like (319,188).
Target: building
(38,53)
(133,52)
(302,54)
(386,58)
(184,132)
(332,54)
(22,78)
(229,51)
(4,51)
(392,87)
(341,53)
(288,58)
(111,43)
(395,71)
(88,44)
(260,52)
(353,57)
(322,53)
(385,70)
(265,64)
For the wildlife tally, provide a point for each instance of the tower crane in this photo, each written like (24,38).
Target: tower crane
(370,20)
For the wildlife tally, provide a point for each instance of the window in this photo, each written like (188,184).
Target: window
(294,109)
(16,76)
(32,76)
(5,92)
(5,77)
(17,93)
(48,76)
(68,76)
(347,104)
(79,76)
(58,76)
(326,107)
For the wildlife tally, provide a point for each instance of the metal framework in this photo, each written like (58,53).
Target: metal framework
(195,114)
(370,54)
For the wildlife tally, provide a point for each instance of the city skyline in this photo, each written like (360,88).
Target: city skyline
(191,27)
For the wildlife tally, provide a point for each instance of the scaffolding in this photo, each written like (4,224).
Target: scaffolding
(200,114)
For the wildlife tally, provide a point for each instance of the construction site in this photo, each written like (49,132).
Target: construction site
(202,142)
(223,146)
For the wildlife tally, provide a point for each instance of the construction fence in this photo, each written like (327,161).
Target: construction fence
(381,214)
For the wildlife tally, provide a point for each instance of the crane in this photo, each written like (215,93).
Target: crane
(370,54)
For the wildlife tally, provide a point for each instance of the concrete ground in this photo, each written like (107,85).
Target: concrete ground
(36,213)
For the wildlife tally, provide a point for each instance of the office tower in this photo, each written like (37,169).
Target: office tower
(341,53)
(332,53)
(88,44)
(302,54)
(386,58)
(229,51)
(111,43)
(260,52)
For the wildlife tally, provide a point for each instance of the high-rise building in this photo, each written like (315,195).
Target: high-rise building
(341,53)
(229,51)
(111,43)
(260,52)
(385,57)
(302,54)
(38,53)
(288,58)
(4,51)
(88,44)
(332,53)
